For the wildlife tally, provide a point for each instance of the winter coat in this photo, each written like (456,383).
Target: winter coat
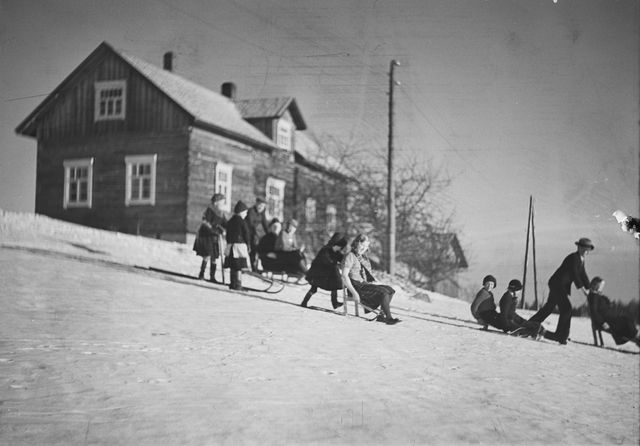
(510,319)
(257,224)
(237,243)
(482,302)
(207,243)
(621,327)
(324,270)
(570,271)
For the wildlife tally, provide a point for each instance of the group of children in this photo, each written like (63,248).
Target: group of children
(249,239)
(604,317)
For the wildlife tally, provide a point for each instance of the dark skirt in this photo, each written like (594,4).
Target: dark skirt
(207,244)
(371,294)
(622,329)
(325,277)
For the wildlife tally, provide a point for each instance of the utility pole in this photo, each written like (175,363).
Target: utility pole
(391,188)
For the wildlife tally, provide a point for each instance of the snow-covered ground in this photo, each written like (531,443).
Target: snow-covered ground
(94,351)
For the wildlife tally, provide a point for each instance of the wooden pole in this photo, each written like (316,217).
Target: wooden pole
(526,252)
(391,190)
(533,246)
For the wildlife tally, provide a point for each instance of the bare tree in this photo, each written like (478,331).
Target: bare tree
(426,238)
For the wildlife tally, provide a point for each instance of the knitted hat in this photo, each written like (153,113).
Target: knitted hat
(217,197)
(515,285)
(490,278)
(293,222)
(260,200)
(273,221)
(585,243)
(240,206)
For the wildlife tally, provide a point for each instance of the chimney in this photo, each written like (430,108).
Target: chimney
(168,61)
(228,89)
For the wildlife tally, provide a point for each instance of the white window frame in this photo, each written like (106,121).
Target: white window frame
(332,218)
(310,213)
(284,134)
(224,187)
(275,198)
(105,86)
(130,161)
(77,164)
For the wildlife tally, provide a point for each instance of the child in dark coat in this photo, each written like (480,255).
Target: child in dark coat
(238,239)
(324,271)
(621,327)
(207,243)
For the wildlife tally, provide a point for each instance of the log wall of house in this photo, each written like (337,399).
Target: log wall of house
(276,165)
(325,189)
(166,219)
(205,150)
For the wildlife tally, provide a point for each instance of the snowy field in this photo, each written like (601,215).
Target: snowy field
(96,351)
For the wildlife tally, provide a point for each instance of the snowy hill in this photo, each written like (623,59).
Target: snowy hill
(94,350)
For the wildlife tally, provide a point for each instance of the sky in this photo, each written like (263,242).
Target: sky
(513,98)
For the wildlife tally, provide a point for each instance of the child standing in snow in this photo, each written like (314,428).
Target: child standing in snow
(238,239)
(207,243)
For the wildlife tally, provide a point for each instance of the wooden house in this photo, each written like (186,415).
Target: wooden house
(125,145)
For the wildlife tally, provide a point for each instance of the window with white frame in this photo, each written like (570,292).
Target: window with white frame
(140,185)
(310,212)
(283,134)
(223,183)
(275,198)
(110,100)
(332,218)
(78,183)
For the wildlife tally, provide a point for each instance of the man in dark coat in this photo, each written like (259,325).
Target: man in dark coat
(258,227)
(571,271)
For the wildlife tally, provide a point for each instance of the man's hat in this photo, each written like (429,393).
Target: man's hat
(260,200)
(293,222)
(515,285)
(240,206)
(585,242)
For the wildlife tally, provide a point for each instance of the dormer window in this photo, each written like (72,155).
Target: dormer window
(110,100)
(283,134)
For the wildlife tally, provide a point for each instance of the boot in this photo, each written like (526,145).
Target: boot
(334,300)
(305,301)
(212,272)
(203,267)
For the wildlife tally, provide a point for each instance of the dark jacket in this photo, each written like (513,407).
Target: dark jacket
(621,327)
(257,224)
(571,271)
(324,272)
(510,319)
(213,225)
(483,302)
(237,230)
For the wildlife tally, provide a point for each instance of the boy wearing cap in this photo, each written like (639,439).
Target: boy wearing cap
(237,245)
(512,321)
(207,243)
(570,271)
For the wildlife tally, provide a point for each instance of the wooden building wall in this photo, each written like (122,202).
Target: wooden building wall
(166,219)
(153,124)
(205,150)
(325,189)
